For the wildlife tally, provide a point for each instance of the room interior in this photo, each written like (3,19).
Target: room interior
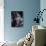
(19,36)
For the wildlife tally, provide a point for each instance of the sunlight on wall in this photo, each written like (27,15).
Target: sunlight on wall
(1,21)
(1,25)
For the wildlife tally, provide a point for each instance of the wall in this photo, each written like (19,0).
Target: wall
(29,7)
(1,21)
(43,6)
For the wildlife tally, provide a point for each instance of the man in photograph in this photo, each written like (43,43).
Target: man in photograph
(17,20)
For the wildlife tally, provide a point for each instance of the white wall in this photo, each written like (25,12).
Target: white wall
(1,21)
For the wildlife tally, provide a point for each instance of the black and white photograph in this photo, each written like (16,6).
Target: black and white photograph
(17,19)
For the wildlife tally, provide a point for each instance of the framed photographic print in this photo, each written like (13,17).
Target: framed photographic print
(17,19)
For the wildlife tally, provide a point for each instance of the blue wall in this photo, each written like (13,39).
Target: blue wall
(29,7)
(43,6)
